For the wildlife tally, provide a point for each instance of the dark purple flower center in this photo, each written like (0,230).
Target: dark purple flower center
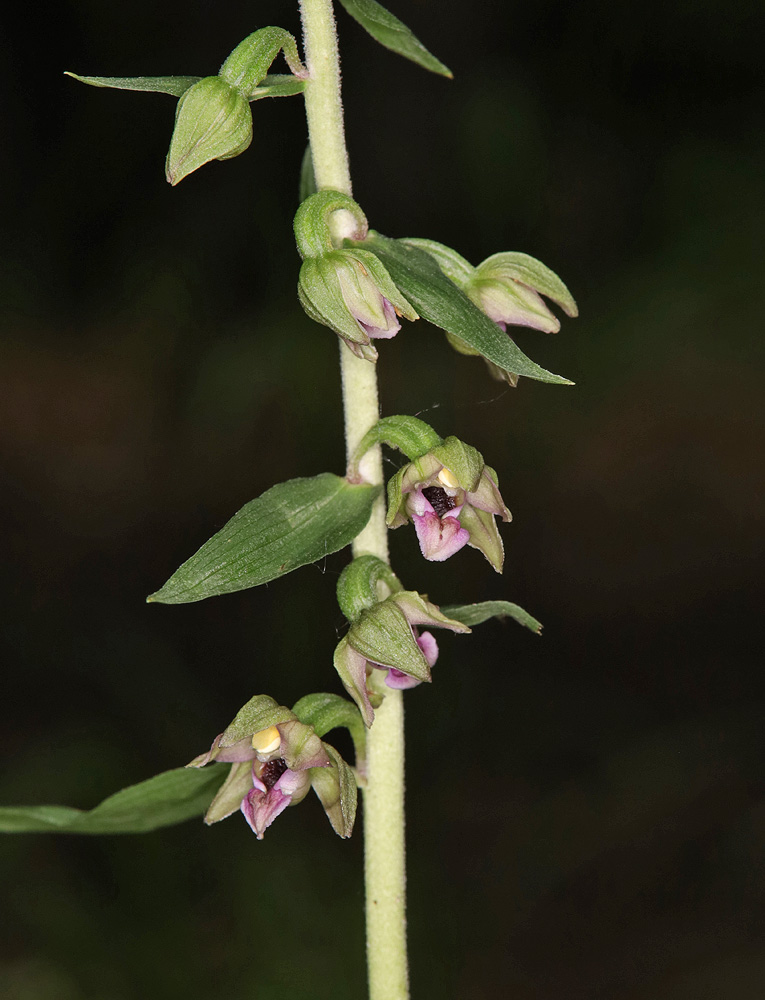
(439,500)
(272,771)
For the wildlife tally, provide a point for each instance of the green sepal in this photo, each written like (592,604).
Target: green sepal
(351,668)
(475,614)
(358,586)
(325,712)
(259,713)
(248,64)
(386,29)
(394,517)
(337,792)
(384,636)
(229,798)
(168,798)
(513,267)
(462,459)
(175,85)
(213,121)
(442,303)
(484,535)
(313,233)
(288,526)
(410,435)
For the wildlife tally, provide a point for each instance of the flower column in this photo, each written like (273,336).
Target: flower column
(385,876)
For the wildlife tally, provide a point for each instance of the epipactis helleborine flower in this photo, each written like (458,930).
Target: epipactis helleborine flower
(508,287)
(351,292)
(452,497)
(274,766)
(387,637)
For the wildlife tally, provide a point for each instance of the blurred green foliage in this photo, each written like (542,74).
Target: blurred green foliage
(599,832)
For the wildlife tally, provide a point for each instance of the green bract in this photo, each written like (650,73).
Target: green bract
(167,798)
(290,525)
(385,28)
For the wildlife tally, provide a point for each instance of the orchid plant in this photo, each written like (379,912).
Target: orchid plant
(367,288)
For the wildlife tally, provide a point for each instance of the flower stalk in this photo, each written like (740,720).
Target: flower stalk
(385,874)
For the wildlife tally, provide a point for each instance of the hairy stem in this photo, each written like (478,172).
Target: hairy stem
(385,874)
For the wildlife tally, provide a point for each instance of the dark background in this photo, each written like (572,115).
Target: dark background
(586,810)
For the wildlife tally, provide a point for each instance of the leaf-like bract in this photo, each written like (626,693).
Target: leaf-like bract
(167,798)
(175,85)
(288,526)
(475,614)
(386,29)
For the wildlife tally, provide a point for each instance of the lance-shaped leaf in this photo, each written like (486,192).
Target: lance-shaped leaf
(167,798)
(475,614)
(441,302)
(274,84)
(175,85)
(386,29)
(290,525)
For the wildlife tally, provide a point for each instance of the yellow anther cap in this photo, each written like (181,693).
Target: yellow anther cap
(267,740)
(447,478)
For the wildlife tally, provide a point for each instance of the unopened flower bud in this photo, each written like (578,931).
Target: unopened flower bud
(213,121)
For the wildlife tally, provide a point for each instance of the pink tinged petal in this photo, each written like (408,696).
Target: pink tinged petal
(418,504)
(242,750)
(291,782)
(429,647)
(515,303)
(439,538)
(392,324)
(400,681)
(260,809)
(487,497)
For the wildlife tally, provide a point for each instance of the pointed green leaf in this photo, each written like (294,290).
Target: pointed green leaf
(167,798)
(386,29)
(474,614)
(290,525)
(442,303)
(175,85)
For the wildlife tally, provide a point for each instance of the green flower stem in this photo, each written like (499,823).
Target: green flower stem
(385,873)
